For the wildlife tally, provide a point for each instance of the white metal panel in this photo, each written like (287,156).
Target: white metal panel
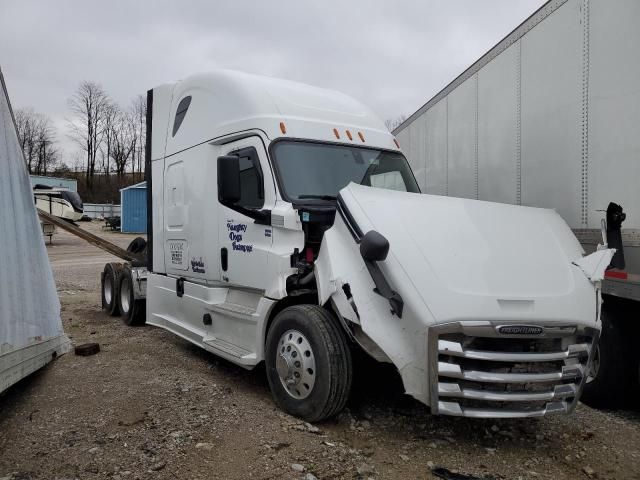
(29,306)
(461,133)
(406,144)
(404,139)
(162,96)
(551,113)
(497,128)
(419,151)
(436,157)
(614,109)
(413,141)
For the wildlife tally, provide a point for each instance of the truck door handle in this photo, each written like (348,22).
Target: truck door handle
(180,287)
(224,258)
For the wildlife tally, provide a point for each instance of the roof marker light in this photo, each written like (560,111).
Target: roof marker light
(349,135)
(335,132)
(361,136)
(396,142)
(283,129)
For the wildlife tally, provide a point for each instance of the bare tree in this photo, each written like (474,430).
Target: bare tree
(89,105)
(26,126)
(111,115)
(393,123)
(37,139)
(123,141)
(46,153)
(139,112)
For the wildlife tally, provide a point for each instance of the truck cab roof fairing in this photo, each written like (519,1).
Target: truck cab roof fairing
(225,102)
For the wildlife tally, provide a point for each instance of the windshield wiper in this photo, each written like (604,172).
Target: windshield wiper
(319,197)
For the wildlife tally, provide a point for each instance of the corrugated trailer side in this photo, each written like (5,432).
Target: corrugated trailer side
(31,332)
(550,117)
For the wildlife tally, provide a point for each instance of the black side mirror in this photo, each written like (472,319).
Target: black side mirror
(374,247)
(615,217)
(229,179)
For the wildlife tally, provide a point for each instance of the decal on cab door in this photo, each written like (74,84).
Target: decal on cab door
(236,232)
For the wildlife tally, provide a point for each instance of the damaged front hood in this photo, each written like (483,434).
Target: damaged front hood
(470,259)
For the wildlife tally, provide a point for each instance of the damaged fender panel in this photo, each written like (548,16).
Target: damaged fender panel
(596,264)
(380,333)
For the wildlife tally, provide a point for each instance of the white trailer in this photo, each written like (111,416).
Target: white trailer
(31,332)
(550,117)
(285,226)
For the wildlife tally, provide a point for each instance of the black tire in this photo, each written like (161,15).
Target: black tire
(133,311)
(137,245)
(332,360)
(110,281)
(611,381)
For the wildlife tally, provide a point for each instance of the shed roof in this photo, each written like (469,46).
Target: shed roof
(137,185)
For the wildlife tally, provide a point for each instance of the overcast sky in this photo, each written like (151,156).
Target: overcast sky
(393,56)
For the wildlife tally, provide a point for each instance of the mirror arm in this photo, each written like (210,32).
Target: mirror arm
(384,289)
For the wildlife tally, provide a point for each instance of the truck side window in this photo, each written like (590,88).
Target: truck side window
(181,111)
(251,187)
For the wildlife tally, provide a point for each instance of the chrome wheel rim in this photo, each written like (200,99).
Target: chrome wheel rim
(295,364)
(108,291)
(595,365)
(125,297)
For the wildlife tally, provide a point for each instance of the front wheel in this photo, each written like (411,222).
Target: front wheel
(308,362)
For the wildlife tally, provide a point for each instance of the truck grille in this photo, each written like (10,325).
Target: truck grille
(476,371)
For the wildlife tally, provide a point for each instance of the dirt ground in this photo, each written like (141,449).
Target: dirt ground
(152,406)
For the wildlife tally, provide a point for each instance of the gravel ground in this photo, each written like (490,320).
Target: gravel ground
(152,406)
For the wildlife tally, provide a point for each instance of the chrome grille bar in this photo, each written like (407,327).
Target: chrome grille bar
(456,349)
(454,390)
(476,370)
(571,372)
(452,408)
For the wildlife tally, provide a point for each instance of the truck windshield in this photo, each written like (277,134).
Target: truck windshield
(319,171)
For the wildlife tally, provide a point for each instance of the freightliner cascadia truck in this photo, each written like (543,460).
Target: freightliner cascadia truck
(550,117)
(285,226)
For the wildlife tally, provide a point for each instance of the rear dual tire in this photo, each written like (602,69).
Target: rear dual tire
(118,296)
(308,362)
(133,311)
(109,285)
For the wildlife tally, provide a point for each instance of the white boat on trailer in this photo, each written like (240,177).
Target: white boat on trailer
(58,201)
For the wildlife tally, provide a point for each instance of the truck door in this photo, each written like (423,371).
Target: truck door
(244,244)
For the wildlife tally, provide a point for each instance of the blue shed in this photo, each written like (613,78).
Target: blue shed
(133,203)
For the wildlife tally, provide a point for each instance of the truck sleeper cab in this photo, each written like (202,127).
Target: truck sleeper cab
(287,227)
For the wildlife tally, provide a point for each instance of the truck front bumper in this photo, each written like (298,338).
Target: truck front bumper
(487,369)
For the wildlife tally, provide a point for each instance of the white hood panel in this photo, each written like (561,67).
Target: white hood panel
(472,247)
(471,260)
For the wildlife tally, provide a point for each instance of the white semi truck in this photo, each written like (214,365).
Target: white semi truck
(285,226)
(550,117)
